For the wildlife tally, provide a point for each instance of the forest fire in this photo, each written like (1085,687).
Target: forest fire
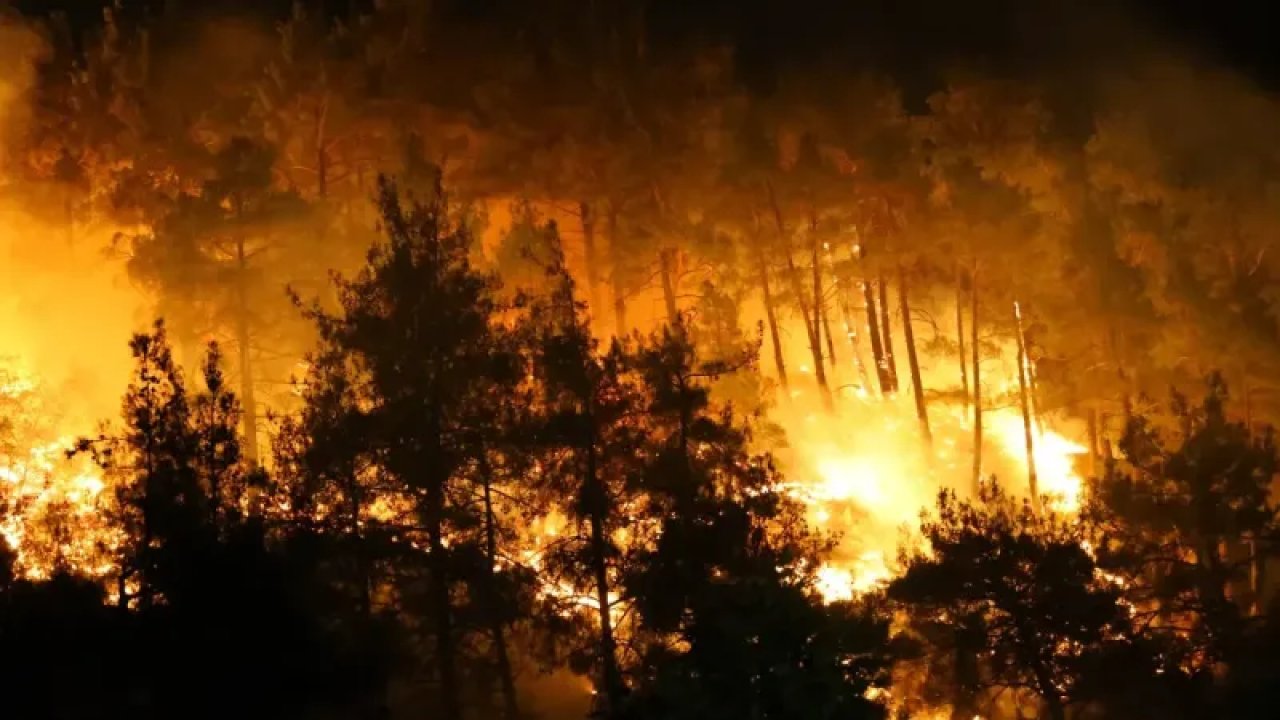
(630,361)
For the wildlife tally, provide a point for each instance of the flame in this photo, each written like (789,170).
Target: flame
(1053,453)
(53,504)
(865,474)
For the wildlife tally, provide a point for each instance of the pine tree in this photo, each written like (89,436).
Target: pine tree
(722,590)
(1014,597)
(418,327)
(1187,516)
(589,434)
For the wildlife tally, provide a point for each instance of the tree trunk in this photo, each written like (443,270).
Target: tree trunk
(510,703)
(797,287)
(446,654)
(976,366)
(851,332)
(620,326)
(826,329)
(820,313)
(613,686)
(322,173)
(873,329)
(243,336)
(1093,441)
(964,374)
(589,255)
(1257,576)
(887,329)
(322,154)
(771,316)
(917,384)
(1025,401)
(364,573)
(666,261)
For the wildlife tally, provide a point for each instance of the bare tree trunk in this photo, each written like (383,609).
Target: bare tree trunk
(977,380)
(1093,440)
(771,316)
(797,287)
(851,332)
(666,260)
(243,337)
(589,255)
(819,296)
(446,653)
(620,326)
(964,373)
(873,329)
(887,329)
(819,304)
(917,384)
(322,155)
(826,329)
(612,676)
(510,703)
(1025,401)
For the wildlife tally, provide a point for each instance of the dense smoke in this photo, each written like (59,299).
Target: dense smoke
(66,302)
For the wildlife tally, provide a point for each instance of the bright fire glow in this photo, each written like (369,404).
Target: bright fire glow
(865,474)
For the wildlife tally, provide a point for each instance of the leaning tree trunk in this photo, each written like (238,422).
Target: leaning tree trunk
(887,329)
(620,327)
(243,336)
(1024,401)
(917,384)
(589,255)
(964,373)
(873,329)
(502,658)
(771,317)
(977,380)
(811,326)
